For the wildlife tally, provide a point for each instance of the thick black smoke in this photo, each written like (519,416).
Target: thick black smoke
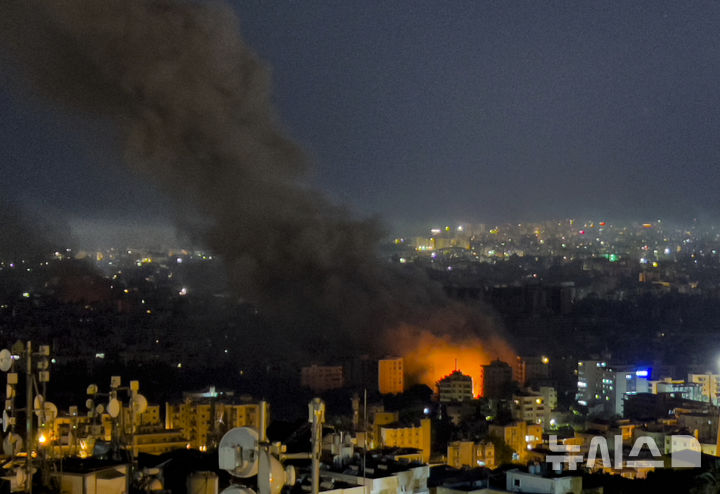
(192,103)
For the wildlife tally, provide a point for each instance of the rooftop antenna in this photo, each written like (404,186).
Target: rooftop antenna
(41,365)
(124,428)
(28,416)
(316,410)
(455,364)
(365,427)
(244,452)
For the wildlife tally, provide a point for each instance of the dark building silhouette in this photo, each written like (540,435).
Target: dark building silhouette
(497,380)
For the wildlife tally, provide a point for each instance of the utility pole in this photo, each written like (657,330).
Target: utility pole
(28,416)
(317,418)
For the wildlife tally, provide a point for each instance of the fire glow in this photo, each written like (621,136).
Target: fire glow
(429,357)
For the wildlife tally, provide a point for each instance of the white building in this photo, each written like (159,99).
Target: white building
(386,477)
(519,481)
(605,386)
(549,395)
(530,407)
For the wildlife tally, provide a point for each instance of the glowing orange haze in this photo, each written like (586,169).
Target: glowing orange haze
(429,357)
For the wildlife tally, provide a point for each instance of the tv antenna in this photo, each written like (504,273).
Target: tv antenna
(245,452)
(137,405)
(36,362)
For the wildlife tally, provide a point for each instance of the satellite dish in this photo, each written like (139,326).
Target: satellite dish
(38,404)
(89,404)
(271,474)
(290,475)
(9,391)
(92,389)
(139,403)
(113,408)
(20,476)
(12,444)
(51,411)
(5,420)
(236,489)
(5,360)
(238,452)
(100,409)
(154,485)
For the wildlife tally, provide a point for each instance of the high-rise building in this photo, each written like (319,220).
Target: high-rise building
(360,372)
(203,423)
(530,369)
(455,387)
(593,376)
(391,376)
(321,378)
(549,395)
(497,380)
(530,407)
(605,386)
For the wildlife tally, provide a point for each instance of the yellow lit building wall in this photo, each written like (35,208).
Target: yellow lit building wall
(380,419)
(150,418)
(520,436)
(67,435)
(408,437)
(391,377)
(470,454)
(197,423)
(243,415)
(159,442)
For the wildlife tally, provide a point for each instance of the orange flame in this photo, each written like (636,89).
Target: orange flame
(429,357)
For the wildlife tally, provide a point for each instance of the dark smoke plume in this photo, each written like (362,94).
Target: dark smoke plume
(193,106)
(27,236)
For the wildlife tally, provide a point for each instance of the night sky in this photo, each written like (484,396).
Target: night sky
(429,112)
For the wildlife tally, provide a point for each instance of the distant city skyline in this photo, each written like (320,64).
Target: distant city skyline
(157,234)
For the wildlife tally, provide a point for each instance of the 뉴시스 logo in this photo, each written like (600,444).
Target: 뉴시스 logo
(684,451)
